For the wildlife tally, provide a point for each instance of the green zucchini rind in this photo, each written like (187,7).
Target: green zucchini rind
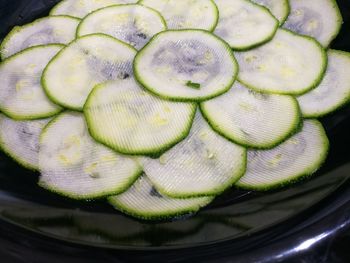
(279,8)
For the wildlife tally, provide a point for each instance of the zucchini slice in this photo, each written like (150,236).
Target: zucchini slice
(289,64)
(186,14)
(299,156)
(21,95)
(334,90)
(129,120)
(203,164)
(133,24)
(244,24)
(20,140)
(279,8)
(186,65)
(143,201)
(252,119)
(47,30)
(319,19)
(74,165)
(69,78)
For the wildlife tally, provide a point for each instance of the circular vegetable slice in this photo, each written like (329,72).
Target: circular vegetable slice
(279,8)
(185,14)
(133,24)
(252,119)
(21,95)
(253,24)
(289,64)
(186,65)
(47,30)
(203,164)
(319,19)
(20,140)
(143,201)
(69,78)
(74,165)
(299,156)
(334,90)
(129,120)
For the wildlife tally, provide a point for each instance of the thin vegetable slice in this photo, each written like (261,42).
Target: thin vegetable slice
(279,8)
(186,65)
(133,24)
(289,64)
(143,201)
(72,74)
(299,156)
(252,119)
(74,165)
(253,24)
(129,120)
(21,94)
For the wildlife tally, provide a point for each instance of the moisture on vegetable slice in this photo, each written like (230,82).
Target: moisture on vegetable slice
(186,65)
(21,94)
(299,156)
(252,119)
(186,14)
(47,30)
(334,90)
(72,74)
(143,201)
(279,8)
(203,164)
(289,64)
(133,24)
(243,24)
(20,140)
(74,165)
(126,118)
(320,19)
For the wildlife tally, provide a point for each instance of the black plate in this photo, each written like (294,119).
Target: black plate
(235,216)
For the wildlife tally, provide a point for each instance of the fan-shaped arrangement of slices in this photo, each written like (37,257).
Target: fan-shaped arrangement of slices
(159,106)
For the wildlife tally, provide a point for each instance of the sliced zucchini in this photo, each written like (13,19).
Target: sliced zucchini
(186,65)
(299,156)
(279,8)
(334,90)
(319,19)
(20,140)
(252,119)
(253,24)
(133,24)
(289,64)
(203,164)
(74,165)
(72,74)
(47,30)
(186,14)
(124,117)
(143,201)
(21,95)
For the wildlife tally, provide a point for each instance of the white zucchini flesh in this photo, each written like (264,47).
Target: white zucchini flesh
(244,24)
(81,8)
(279,8)
(90,60)
(129,120)
(186,14)
(319,19)
(21,95)
(74,165)
(334,90)
(43,31)
(252,119)
(133,24)
(143,201)
(186,65)
(20,140)
(289,64)
(301,155)
(203,164)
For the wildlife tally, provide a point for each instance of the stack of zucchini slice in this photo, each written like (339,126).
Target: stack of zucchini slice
(160,106)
